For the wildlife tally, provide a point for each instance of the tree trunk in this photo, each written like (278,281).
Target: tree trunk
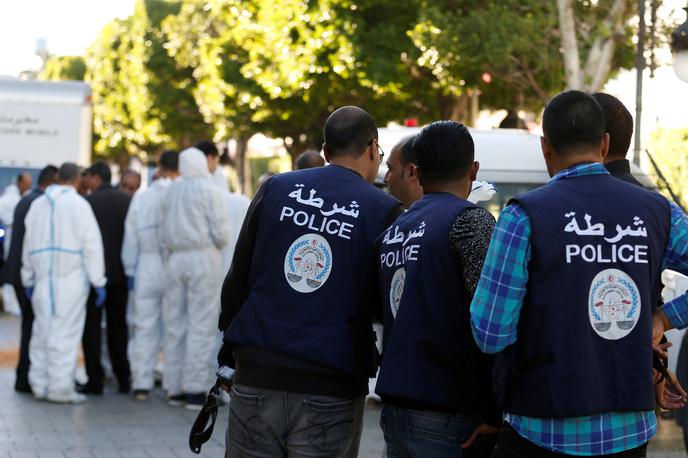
(599,61)
(243,167)
(569,44)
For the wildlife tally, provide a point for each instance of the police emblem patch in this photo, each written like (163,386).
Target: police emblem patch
(396,289)
(308,263)
(614,304)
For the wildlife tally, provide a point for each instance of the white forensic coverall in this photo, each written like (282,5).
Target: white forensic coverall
(62,257)
(142,260)
(8,202)
(237,205)
(194,227)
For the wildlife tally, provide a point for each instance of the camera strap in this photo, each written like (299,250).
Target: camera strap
(199,434)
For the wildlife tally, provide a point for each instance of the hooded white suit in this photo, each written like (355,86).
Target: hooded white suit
(142,260)
(194,227)
(63,255)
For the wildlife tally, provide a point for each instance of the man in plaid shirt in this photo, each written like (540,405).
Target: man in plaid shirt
(566,298)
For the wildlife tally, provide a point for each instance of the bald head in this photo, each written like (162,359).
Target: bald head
(309,159)
(349,131)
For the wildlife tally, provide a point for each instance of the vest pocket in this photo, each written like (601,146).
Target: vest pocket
(330,424)
(245,423)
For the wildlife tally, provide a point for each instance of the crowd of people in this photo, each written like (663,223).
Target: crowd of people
(539,334)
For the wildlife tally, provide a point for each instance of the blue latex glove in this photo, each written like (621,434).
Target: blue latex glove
(28,292)
(100,296)
(130,283)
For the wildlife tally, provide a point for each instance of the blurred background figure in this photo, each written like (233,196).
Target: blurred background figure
(110,207)
(8,201)
(401,177)
(62,254)
(143,266)
(194,228)
(11,274)
(309,159)
(130,182)
(83,187)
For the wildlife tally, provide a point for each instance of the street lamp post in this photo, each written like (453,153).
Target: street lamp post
(679,48)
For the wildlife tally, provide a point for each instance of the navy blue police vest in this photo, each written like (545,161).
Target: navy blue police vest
(428,352)
(312,279)
(585,329)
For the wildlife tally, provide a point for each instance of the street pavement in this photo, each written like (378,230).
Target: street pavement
(114,425)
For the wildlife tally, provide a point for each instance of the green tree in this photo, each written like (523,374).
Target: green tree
(668,149)
(142,101)
(61,68)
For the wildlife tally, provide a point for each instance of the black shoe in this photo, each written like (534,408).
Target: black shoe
(124,388)
(22,387)
(140,395)
(85,388)
(195,401)
(176,400)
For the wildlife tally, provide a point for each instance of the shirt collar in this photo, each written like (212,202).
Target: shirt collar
(588,168)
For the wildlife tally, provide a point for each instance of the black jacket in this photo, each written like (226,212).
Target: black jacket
(11,271)
(621,169)
(110,206)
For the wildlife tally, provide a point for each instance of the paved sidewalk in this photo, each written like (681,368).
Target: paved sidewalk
(114,425)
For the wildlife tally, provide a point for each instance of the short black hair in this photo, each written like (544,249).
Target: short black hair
(208,148)
(348,131)
(169,160)
(102,170)
(618,124)
(47,175)
(309,159)
(405,147)
(573,120)
(444,151)
(68,172)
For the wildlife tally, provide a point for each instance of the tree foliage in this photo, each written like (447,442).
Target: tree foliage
(180,70)
(142,100)
(63,68)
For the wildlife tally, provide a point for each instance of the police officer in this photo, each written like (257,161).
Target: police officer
(432,374)
(298,301)
(566,298)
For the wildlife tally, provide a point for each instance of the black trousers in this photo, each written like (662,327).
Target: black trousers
(117,336)
(511,445)
(25,336)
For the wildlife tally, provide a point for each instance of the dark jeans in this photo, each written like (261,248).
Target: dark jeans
(511,445)
(417,433)
(116,316)
(266,423)
(25,336)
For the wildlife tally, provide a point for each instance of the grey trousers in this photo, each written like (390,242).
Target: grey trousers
(267,424)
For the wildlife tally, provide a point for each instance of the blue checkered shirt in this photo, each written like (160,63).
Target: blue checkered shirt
(495,312)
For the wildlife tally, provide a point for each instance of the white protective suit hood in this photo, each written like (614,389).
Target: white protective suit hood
(193,163)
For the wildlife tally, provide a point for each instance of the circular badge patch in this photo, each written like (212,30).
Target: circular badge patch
(614,304)
(308,263)
(396,289)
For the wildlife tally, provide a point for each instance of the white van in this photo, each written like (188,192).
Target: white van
(41,123)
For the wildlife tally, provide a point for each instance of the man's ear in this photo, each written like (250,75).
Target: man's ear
(411,171)
(474,170)
(326,152)
(604,147)
(546,148)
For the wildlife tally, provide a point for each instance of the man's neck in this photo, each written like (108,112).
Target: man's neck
(578,159)
(459,188)
(349,163)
